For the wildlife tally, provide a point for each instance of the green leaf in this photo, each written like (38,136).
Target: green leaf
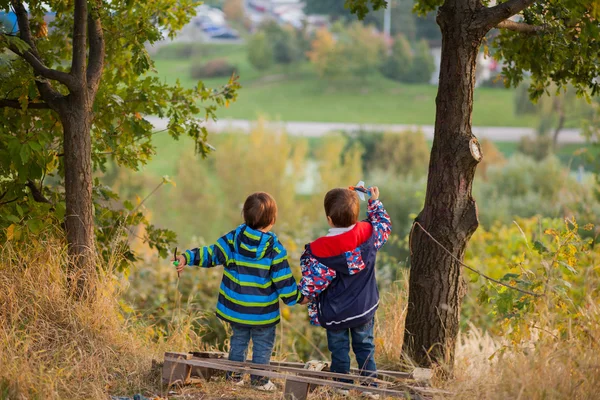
(25,152)
(35,225)
(15,41)
(569,267)
(539,247)
(19,210)
(13,218)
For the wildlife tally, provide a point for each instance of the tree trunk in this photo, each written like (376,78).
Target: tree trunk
(560,108)
(79,218)
(450,214)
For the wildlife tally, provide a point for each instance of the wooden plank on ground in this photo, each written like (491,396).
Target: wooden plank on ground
(356,371)
(412,393)
(295,390)
(175,372)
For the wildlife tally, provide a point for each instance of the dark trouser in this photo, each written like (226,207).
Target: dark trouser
(263,340)
(362,344)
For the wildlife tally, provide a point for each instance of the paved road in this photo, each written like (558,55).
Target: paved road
(316,129)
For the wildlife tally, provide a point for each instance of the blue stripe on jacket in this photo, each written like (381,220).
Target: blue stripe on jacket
(256,272)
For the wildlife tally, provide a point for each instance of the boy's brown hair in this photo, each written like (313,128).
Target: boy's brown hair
(342,206)
(260,210)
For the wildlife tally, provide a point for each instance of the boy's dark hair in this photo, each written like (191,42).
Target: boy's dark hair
(342,206)
(260,210)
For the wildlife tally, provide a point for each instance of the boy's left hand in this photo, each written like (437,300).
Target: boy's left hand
(374,192)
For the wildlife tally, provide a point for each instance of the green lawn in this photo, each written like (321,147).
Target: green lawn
(297,94)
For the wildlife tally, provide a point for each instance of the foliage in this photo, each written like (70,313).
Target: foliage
(260,51)
(399,63)
(31,139)
(524,188)
(212,68)
(551,260)
(356,51)
(559,108)
(564,51)
(423,64)
(491,156)
(538,147)
(323,53)
(284,40)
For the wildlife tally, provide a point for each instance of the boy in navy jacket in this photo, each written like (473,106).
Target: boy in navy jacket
(338,278)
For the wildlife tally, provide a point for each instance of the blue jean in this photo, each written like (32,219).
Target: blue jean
(363,346)
(263,340)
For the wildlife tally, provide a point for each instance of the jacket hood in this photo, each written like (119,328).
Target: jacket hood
(252,243)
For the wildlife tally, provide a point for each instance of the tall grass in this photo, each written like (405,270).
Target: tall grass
(55,347)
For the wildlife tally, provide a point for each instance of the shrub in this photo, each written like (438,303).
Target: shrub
(404,153)
(423,64)
(285,44)
(538,147)
(398,64)
(491,156)
(357,52)
(323,53)
(260,51)
(213,68)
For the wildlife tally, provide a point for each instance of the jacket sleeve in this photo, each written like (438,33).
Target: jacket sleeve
(381,222)
(316,277)
(282,278)
(210,256)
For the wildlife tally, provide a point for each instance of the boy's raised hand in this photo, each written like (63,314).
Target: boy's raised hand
(374,192)
(181,263)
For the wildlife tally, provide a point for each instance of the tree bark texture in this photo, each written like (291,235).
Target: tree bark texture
(79,218)
(436,285)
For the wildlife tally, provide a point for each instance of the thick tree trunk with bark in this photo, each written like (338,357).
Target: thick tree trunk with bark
(79,217)
(450,213)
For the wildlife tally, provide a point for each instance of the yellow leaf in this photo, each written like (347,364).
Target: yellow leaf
(10,232)
(138,116)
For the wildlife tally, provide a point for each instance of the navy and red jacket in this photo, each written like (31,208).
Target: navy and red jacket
(338,272)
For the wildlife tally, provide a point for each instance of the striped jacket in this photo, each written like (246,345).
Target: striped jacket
(256,274)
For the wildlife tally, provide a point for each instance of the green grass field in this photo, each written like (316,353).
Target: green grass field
(297,94)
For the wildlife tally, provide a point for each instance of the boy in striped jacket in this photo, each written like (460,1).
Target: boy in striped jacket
(338,278)
(256,275)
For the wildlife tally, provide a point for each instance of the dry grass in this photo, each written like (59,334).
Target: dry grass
(545,367)
(54,347)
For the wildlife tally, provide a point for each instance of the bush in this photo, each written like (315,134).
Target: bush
(538,147)
(212,69)
(260,51)
(423,64)
(286,49)
(357,52)
(398,64)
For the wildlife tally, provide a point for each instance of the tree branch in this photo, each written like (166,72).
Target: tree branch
(519,26)
(32,56)
(492,16)
(79,40)
(14,103)
(97,48)
(37,193)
